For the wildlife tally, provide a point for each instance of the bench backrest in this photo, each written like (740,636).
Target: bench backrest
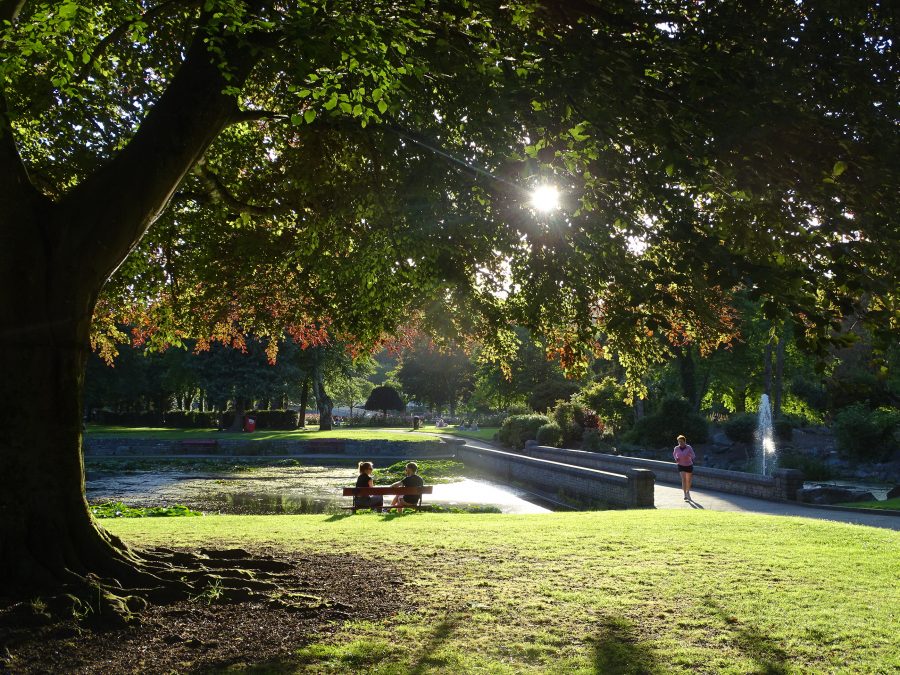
(387,490)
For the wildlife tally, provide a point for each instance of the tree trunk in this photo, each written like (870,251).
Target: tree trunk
(638,409)
(54,259)
(688,375)
(777,391)
(324,404)
(237,424)
(740,400)
(47,535)
(304,401)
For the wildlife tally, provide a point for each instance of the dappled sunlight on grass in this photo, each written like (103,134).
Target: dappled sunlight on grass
(620,592)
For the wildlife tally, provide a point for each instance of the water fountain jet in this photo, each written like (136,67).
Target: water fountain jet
(765,434)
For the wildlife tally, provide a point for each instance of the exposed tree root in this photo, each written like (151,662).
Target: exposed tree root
(134,579)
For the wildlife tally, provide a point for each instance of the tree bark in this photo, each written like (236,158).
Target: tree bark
(688,376)
(778,389)
(54,260)
(237,424)
(324,404)
(304,401)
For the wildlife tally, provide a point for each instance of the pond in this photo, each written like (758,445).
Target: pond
(254,486)
(878,490)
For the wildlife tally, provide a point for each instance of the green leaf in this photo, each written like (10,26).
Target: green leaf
(309,115)
(839,168)
(332,102)
(377,94)
(670,169)
(382,106)
(296,118)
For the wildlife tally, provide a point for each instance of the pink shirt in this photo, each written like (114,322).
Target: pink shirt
(684,457)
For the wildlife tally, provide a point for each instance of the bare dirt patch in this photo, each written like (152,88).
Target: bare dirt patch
(204,635)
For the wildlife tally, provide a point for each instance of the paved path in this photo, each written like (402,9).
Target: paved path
(671,497)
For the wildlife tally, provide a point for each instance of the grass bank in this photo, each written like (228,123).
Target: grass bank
(486,434)
(603,592)
(883,505)
(356,434)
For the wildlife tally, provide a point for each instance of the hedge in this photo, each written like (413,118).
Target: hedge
(517,429)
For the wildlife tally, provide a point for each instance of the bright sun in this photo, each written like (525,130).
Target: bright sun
(545,198)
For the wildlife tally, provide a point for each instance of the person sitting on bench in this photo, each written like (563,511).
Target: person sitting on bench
(375,502)
(412,479)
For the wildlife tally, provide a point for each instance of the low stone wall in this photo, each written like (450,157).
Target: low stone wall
(104,446)
(630,488)
(783,484)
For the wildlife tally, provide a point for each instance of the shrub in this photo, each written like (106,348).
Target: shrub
(129,419)
(592,420)
(550,434)
(592,441)
(517,429)
(813,468)
(675,416)
(389,421)
(275,419)
(191,419)
(740,428)
(519,409)
(865,435)
(607,398)
(569,418)
(784,428)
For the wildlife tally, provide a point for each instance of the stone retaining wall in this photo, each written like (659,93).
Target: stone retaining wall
(630,488)
(783,484)
(356,449)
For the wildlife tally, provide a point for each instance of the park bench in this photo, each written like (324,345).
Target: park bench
(386,491)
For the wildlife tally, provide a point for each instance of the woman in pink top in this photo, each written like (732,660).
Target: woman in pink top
(684,457)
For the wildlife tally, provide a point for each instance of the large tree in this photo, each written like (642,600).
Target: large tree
(435,378)
(323,167)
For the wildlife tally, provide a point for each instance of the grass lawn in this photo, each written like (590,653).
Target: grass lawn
(885,504)
(601,592)
(356,434)
(486,434)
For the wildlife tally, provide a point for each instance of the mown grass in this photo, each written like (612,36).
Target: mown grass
(884,504)
(357,434)
(486,434)
(602,592)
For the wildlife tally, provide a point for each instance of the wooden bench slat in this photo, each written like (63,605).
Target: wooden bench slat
(387,490)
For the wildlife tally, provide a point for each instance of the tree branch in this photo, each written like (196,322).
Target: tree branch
(123,28)
(9,9)
(254,115)
(219,194)
(13,173)
(116,204)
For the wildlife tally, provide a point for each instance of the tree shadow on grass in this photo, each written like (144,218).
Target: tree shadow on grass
(425,661)
(335,517)
(771,658)
(618,650)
